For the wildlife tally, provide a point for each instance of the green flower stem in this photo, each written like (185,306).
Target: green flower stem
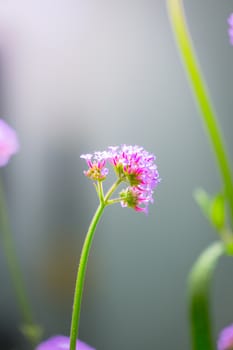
(199,304)
(14,269)
(83,266)
(112,189)
(177,17)
(100,191)
(113,201)
(81,276)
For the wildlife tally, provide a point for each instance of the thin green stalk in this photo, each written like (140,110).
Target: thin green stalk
(199,299)
(177,18)
(14,268)
(114,200)
(100,191)
(83,266)
(81,276)
(112,189)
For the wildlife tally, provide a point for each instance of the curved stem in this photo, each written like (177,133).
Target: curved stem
(177,17)
(83,265)
(199,304)
(81,276)
(15,271)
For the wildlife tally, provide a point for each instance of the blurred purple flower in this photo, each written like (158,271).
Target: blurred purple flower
(9,144)
(60,342)
(134,166)
(230,30)
(225,339)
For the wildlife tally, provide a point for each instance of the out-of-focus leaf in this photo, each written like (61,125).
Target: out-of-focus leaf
(213,208)
(203,200)
(32,332)
(217,211)
(227,237)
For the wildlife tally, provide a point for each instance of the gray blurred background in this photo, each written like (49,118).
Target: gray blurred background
(77,76)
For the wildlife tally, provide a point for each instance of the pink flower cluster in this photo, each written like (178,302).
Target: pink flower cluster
(230,30)
(133,165)
(97,170)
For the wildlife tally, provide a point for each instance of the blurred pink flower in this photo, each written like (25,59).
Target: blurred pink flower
(9,144)
(60,342)
(225,339)
(230,29)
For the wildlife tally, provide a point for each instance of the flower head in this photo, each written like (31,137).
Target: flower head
(60,342)
(225,340)
(134,166)
(230,30)
(8,143)
(133,197)
(97,170)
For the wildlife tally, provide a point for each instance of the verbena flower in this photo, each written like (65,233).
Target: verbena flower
(9,144)
(96,171)
(225,340)
(60,342)
(133,197)
(134,166)
(230,30)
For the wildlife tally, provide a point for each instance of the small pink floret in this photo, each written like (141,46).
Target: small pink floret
(9,144)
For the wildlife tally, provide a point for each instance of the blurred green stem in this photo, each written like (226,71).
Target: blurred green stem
(14,269)
(199,300)
(177,18)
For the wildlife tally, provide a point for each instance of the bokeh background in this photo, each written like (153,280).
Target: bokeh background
(77,76)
